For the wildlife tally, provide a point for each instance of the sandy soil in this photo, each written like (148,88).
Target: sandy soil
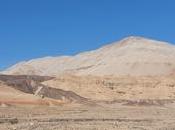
(117,87)
(78,117)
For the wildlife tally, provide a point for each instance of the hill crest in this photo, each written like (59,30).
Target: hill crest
(129,56)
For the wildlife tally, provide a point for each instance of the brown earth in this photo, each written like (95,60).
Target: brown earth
(28,90)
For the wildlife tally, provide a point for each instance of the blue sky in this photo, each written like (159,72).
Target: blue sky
(37,28)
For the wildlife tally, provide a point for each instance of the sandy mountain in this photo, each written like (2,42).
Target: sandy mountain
(131,56)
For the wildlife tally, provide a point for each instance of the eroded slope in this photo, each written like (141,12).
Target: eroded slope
(30,90)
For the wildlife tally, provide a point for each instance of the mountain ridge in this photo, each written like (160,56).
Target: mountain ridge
(130,56)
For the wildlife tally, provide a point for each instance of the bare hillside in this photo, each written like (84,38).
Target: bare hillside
(130,56)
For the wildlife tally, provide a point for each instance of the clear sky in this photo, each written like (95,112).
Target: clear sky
(37,28)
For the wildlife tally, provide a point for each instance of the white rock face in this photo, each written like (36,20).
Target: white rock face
(131,56)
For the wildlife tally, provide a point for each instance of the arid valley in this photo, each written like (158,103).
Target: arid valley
(125,85)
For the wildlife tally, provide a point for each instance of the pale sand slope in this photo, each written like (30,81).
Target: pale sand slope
(131,56)
(111,88)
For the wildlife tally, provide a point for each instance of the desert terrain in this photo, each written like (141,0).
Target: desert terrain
(125,85)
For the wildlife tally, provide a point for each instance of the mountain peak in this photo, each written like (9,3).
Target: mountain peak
(134,38)
(138,41)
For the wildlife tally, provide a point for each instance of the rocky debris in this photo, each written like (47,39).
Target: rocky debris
(61,95)
(91,120)
(9,120)
(148,102)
